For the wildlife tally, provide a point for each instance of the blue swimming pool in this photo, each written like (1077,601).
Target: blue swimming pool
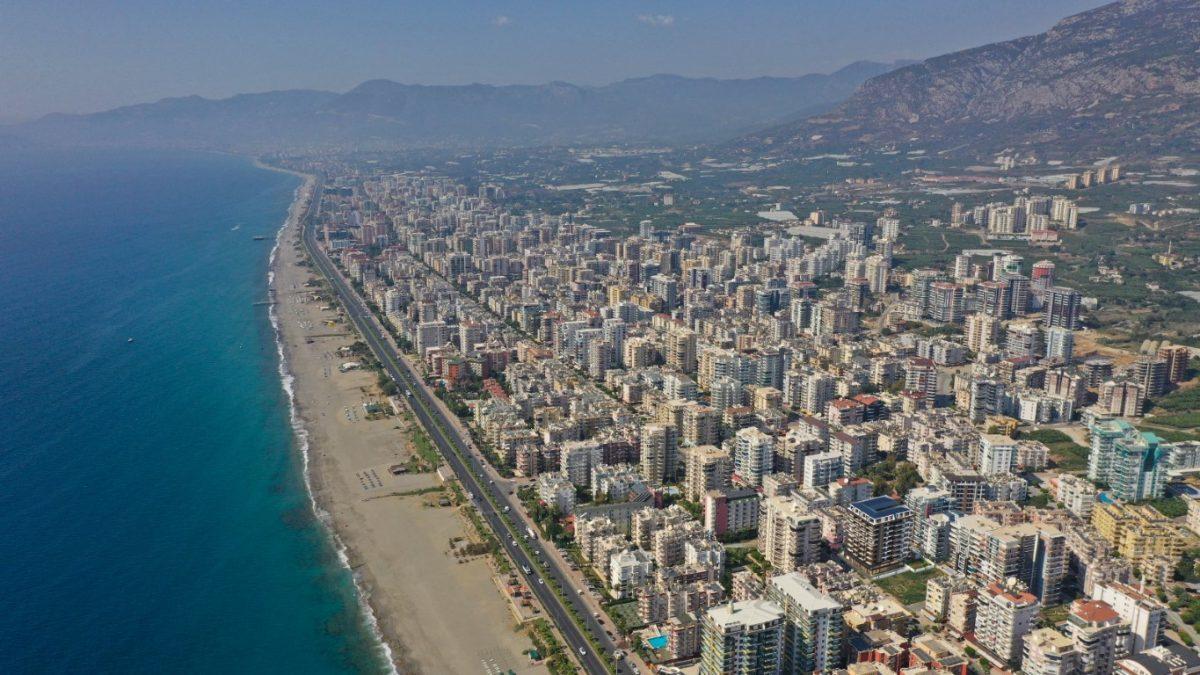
(657,642)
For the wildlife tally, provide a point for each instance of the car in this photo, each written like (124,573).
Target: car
(540,581)
(507,509)
(582,651)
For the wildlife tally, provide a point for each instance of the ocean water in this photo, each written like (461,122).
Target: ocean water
(153,516)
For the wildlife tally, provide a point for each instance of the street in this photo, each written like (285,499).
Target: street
(487,497)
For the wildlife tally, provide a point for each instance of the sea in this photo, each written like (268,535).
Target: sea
(153,510)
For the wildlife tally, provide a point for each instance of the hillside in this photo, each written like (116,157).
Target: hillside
(382,113)
(1124,78)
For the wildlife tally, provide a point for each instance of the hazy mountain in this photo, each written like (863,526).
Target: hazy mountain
(660,108)
(1122,77)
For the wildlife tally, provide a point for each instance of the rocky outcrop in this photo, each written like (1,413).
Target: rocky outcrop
(1123,77)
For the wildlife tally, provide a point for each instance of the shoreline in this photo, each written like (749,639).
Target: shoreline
(414,592)
(367,613)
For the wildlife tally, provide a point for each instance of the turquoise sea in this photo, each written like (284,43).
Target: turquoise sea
(153,516)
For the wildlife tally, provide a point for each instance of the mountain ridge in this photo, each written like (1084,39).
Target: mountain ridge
(1122,76)
(381,112)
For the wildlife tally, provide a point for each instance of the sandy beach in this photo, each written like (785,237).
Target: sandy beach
(438,610)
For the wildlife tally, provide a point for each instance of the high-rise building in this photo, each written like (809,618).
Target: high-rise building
(962,267)
(1129,461)
(742,638)
(946,302)
(982,332)
(1177,358)
(1005,615)
(1140,534)
(701,425)
(1023,339)
(1104,434)
(991,299)
(725,392)
(753,455)
(789,535)
(1061,308)
(659,447)
(812,634)
(1034,555)
(1137,469)
(997,454)
(1076,494)
(822,468)
(577,458)
(1123,399)
(708,468)
(681,350)
(1041,275)
(1049,652)
(1018,294)
(1060,344)
(878,533)
(1145,615)
(666,288)
(1152,373)
(1098,634)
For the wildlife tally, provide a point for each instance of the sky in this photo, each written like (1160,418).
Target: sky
(89,55)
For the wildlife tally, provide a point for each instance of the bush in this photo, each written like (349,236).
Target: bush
(1171,507)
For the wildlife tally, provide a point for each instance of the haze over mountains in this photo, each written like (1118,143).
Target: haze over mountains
(1122,77)
(381,113)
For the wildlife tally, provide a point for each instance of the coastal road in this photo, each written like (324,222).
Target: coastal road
(493,503)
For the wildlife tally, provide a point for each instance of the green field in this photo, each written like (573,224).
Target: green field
(1066,454)
(909,587)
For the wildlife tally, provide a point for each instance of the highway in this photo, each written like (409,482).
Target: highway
(497,508)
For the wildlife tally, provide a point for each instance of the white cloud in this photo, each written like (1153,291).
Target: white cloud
(501,21)
(657,20)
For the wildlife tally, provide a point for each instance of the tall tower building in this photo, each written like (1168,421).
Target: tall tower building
(1005,615)
(659,446)
(742,638)
(681,350)
(812,634)
(1061,307)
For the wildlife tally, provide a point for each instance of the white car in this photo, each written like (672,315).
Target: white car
(540,580)
(583,651)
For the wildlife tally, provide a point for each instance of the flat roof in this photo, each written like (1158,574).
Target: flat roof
(880,507)
(747,612)
(798,588)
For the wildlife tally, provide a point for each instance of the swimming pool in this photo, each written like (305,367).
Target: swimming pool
(657,642)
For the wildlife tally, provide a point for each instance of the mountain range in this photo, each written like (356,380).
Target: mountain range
(382,113)
(1124,77)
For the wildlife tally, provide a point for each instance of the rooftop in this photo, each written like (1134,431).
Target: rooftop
(878,508)
(798,588)
(1094,611)
(747,612)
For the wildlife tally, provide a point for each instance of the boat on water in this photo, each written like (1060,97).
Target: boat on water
(129,340)
(236,227)
(259,237)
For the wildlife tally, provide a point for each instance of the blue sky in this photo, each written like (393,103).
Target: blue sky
(86,55)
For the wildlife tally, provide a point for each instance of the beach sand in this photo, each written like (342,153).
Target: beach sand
(437,613)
